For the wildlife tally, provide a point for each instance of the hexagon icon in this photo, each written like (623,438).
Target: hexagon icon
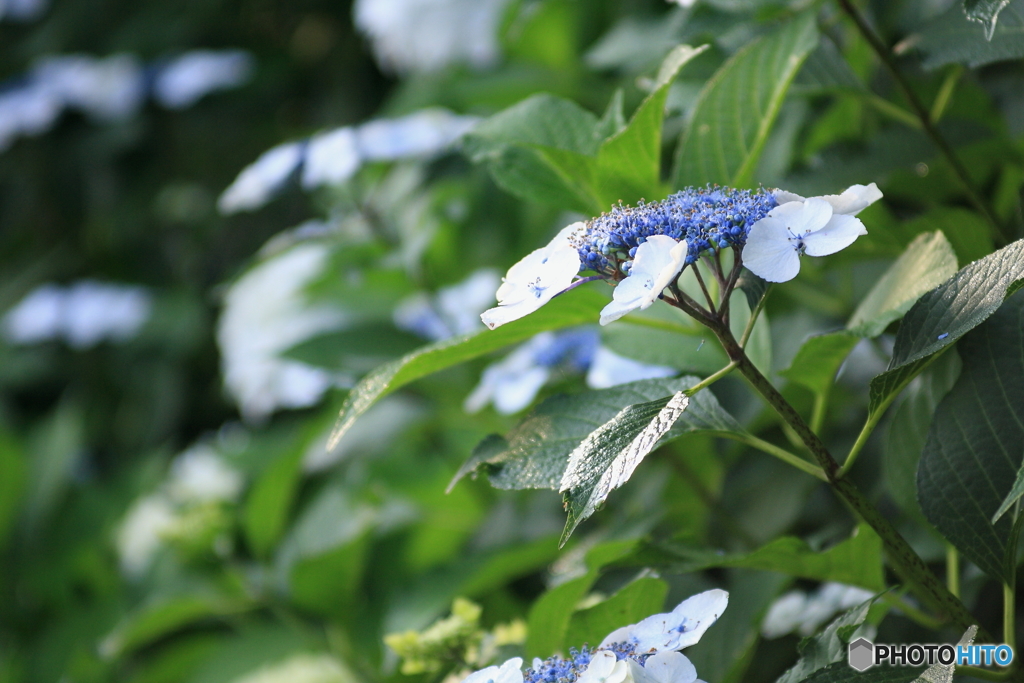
(861,654)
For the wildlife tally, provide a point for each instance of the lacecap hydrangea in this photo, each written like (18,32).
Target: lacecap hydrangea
(642,249)
(645,652)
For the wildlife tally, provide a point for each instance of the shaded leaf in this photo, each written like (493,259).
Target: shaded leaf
(722,143)
(908,430)
(856,561)
(269,502)
(985,12)
(161,618)
(841,672)
(575,308)
(687,349)
(927,262)
(953,37)
(606,459)
(828,647)
(943,315)
(752,286)
(819,359)
(976,443)
(550,614)
(967,231)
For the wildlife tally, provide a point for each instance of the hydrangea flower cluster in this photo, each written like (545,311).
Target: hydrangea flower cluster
(643,249)
(645,652)
(706,217)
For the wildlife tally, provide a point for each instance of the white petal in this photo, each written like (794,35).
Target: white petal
(682,627)
(671,667)
(657,262)
(331,158)
(839,233)
(532,282)
(769,253)
(784,615)
(854,199)
(605,667)
(812,215)
(782,197)
(509,672)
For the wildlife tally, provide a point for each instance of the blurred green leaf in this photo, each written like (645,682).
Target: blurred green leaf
(269,503)
(723,141)
(954,37)
(856,561)
(968,232)
(13,472)
(549,618)
(976,444)
(178,660)
(818,360)
(370,340)
(163,618)
(908,430)
(685,348)
(578,307)
(54,448)
(927,262)
(631,603)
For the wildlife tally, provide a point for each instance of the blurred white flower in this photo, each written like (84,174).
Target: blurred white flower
(509,672)
(422,133)
(427,35)
(609,369)
(536,279)
(22,10)
(26,110)
(658,261)
(258,181)
(200,475)
(454,310)
(805,613)
(513,382)
(331,158)
(301,668)
(265,313)
(83,314)
(107,89)
(141,533)
(188,78)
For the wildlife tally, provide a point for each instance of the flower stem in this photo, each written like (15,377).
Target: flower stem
(945,92)
(923,115)
(709,380)
(911,612)
(905,561)
(703,288)
(782,454)
(753,317)
(953,569)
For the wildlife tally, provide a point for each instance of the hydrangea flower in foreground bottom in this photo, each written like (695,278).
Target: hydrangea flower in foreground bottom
(646,652)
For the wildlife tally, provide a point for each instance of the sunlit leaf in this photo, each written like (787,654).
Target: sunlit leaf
(631,603)
(818,360)
(722,143)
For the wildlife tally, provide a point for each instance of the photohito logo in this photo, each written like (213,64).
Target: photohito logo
(863,654)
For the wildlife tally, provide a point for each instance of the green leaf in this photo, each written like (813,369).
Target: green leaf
(966,230)
(614,119)
(13,472)
(629,163)
(943,315)
(378,340)
(753,287)
(536,452)
(829,647)
(927,262)
(574,308)
(162,618)
(908,430)
(734,115)
(688,349)
(549,617)
(841,672)
(606,459)
(54,447)
(633,602)
(856,561)
(976,444)
(818,360)
(1016,491)
(269,502)
(943,673)
(954,38)
(985,12)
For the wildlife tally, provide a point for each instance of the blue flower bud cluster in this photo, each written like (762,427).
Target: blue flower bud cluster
(708,218)
(558,670)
